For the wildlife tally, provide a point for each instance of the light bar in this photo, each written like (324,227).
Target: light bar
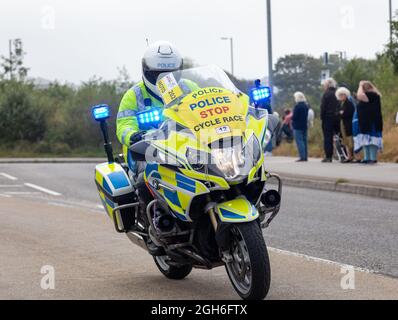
(149,119)
(261,93)
(101,112)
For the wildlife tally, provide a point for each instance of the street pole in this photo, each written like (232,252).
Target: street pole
(231,42)
(232,56)
(391,31)
(10,56)
(270,59)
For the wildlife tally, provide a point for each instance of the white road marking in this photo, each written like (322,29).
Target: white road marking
(5,175)
(5,195)
(33,186)
(314,259)
(59,204)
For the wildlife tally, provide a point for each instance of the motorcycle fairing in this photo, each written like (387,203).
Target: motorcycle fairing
(237,211)
(257,121)
(177,189)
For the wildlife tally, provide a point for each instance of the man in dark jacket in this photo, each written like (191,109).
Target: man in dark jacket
(329,117)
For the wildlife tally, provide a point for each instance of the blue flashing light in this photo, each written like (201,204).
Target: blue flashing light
(101,112)
(261,94)
(149,119)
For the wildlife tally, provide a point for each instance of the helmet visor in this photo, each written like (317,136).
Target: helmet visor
(152,75)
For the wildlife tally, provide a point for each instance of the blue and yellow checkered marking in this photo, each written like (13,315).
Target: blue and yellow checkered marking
(231,215)
(186,183)
(185,188)
(119,180)
(239,210)
(116,175)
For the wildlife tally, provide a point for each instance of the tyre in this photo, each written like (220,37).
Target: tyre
(249,270)
(172,272)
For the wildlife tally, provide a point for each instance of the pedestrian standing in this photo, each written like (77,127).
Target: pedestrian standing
(346,112)
(329,117)
(370,137)
(300,125)
(287,128)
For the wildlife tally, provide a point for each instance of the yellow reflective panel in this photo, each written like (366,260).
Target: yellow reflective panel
(239,210)
(255,169)
(259,127)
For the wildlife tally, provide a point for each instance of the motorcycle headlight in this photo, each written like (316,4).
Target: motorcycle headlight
(229,160)
(197,159)
(237,160)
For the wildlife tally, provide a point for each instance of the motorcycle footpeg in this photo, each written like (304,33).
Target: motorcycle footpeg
(154,250)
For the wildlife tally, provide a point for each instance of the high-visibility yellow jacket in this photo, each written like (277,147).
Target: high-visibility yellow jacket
(138,99)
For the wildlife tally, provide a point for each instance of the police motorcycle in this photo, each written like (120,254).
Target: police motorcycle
(204,166)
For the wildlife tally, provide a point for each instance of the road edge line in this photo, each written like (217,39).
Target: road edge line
(334,186)
(320,260)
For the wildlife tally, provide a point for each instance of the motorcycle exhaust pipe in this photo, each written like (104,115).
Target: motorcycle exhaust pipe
(271,199)
(137,240)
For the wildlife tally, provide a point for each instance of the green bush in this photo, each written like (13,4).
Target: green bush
(55,120)
(21,117)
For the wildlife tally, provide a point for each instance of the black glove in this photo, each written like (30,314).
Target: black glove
(137,137)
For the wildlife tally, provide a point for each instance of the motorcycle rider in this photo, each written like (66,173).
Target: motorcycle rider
(160,57)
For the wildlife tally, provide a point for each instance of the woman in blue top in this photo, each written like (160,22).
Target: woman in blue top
(370,119)
(300,125)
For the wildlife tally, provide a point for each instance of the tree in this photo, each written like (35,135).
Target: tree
(123,81)
(392,48)
(297,72)
(13,65)
(354,71)
(22,117)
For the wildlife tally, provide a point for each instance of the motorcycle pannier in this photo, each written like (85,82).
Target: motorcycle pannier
(115,190)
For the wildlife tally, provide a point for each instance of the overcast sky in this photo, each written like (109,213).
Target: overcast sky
(72,40)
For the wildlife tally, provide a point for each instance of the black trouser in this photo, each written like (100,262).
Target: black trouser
(144,195)
(330,127)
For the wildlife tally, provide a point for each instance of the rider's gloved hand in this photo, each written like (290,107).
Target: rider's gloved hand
(136,137)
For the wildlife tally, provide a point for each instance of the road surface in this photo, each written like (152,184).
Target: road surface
(49,215)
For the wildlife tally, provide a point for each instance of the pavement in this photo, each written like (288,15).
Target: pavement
(379,180)
(50,214)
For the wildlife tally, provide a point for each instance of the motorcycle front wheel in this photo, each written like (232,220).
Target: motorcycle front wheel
(249,270)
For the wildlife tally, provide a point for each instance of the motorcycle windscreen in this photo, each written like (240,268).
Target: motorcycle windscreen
(212,114)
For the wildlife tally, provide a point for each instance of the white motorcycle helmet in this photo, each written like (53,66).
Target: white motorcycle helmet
(159,57)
